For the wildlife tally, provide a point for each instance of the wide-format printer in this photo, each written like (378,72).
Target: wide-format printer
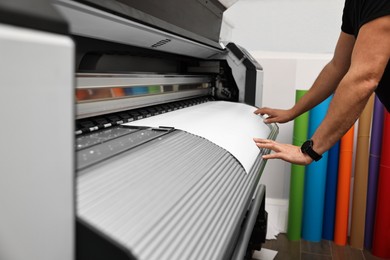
(127,132)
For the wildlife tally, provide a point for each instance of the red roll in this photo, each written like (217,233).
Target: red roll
(381,240)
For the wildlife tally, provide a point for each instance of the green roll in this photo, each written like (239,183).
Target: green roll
(297,178)
(154,89)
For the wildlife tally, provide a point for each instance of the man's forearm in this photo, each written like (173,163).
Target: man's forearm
(347,104)
(368,61)
(325,84)
(330,76)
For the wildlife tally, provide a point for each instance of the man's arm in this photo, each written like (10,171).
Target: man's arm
(370,56)
(325,84)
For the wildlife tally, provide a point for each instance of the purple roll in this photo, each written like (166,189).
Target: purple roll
(373,171)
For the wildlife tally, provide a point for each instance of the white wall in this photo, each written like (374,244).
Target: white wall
(285,25)
(283,74)
(292,40)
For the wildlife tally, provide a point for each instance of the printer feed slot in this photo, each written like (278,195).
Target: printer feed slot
(92,87)
(101,93)
(94,94)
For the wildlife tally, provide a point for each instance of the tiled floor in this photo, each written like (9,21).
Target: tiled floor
(324,250)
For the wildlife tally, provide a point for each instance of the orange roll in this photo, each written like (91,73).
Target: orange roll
(343,188)
(117,92)
(81,94)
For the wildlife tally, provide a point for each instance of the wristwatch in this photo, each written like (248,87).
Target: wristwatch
(307,148)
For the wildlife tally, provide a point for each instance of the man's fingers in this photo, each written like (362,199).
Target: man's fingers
(271,156)
(265,145)
(268,111)
(270,120)
(262,111)
(260,141)
(268,144)
(287,152)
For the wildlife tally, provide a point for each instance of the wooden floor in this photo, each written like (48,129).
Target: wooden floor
(324,250)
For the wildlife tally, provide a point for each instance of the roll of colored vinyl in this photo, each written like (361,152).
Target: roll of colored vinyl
(117,92)
(141,90)
(330,192)
(135,91)
(361,177)
(373,170)
(81,94)
(381,241)
(343,188)
(297,179)
(155,89)
(315,178)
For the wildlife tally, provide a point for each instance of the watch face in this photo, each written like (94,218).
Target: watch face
(306,145)
(307,148)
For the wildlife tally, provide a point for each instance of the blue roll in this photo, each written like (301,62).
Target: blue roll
(315,180)
(141,90)
(331,192)
(135,91)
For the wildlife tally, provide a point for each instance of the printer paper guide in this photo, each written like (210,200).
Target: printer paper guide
(230,125)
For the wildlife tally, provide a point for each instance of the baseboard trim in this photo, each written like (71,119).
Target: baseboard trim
(277,216)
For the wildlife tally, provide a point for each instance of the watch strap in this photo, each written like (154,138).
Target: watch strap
(307,148)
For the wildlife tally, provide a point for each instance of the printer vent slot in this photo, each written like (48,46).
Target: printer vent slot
(160,43)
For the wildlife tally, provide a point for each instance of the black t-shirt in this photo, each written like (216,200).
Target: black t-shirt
(356,14)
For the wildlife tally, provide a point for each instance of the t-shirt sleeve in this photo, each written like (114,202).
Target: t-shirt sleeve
(374,9)
(347,25)
(356,13)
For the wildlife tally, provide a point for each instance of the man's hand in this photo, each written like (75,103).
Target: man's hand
(275,115)
(287,152)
